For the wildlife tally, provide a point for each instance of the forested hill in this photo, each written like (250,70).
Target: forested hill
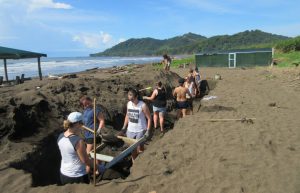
(192,43)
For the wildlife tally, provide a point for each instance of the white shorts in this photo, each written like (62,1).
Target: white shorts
(135,135)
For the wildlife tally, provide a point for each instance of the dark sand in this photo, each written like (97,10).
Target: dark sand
(194,156)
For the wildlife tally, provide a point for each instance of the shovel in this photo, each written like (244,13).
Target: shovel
(106,138)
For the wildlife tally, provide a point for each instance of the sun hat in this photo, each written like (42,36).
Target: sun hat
(75,117)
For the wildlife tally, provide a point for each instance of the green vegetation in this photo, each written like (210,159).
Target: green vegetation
(290,59)
(181,61)
(289,45)
(288,52)
(192,43)
(176,62)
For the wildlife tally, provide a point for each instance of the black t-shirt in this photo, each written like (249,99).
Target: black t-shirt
(161,99)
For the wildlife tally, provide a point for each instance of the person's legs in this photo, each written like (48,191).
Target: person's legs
(134,155)
(161,121)
(134,135)
(155,119)
(89,147)
(179,114)
(183,112)
(139,135)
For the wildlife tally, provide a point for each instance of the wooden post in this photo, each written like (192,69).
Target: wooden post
(5,70)
(272,61)
(95,132)
(39,68)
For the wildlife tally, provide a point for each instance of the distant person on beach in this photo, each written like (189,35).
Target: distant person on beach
(180,94)
(166,62)
(88,121)
(197,76)
(138,119)
(74,159)
(191,75)
(159,102)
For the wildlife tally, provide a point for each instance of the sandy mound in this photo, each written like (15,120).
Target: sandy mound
(195,156)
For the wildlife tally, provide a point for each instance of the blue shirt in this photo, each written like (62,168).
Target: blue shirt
(88,120)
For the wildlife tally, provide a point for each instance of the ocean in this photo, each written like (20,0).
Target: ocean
(62,65)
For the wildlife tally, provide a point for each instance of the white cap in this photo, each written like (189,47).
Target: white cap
(75,117)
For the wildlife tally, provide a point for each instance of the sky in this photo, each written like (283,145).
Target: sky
(79,27)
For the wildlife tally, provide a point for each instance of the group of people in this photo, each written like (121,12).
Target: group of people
(188,89)
(76,164)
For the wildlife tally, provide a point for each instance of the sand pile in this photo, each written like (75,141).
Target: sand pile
(195,156)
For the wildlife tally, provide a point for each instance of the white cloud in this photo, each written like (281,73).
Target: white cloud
(122,40)
(93,41)
(41,4)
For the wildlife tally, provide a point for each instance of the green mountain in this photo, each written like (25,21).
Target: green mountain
(192,43)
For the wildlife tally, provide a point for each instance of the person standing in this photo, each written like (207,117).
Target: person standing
(88,121)
(180,94)
(166,62)
(191,86)
(74,159)
(159,102)
(138,119)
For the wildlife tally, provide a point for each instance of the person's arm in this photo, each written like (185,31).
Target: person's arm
(147,115)
(154,94)
(125,122)
(174,93)
(124,128)
(101,120)
(83,156)
(188,92)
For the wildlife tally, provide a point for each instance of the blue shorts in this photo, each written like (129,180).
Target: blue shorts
(159,109)
(182,104)
(135,135)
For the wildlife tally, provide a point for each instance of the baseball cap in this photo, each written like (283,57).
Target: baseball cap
(75,117)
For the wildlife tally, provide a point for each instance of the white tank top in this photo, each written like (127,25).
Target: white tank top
(136,117)
(71,165)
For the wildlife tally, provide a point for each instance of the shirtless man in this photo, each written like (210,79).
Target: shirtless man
(180,93)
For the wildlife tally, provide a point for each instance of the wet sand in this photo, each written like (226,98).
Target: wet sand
(197,155)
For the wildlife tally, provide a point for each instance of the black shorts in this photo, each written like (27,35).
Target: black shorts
(91,140)
(182,105)
(74,180)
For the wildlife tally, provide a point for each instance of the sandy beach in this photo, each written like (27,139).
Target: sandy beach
(228,155)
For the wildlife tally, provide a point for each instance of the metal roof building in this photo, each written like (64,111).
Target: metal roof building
(10,53)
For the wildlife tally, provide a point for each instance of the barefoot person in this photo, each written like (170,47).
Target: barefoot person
(88,121)
(74,160)
(159,101)
(180,94)
(138,119)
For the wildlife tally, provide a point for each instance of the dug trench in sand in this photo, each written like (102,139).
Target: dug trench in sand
(32,119)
